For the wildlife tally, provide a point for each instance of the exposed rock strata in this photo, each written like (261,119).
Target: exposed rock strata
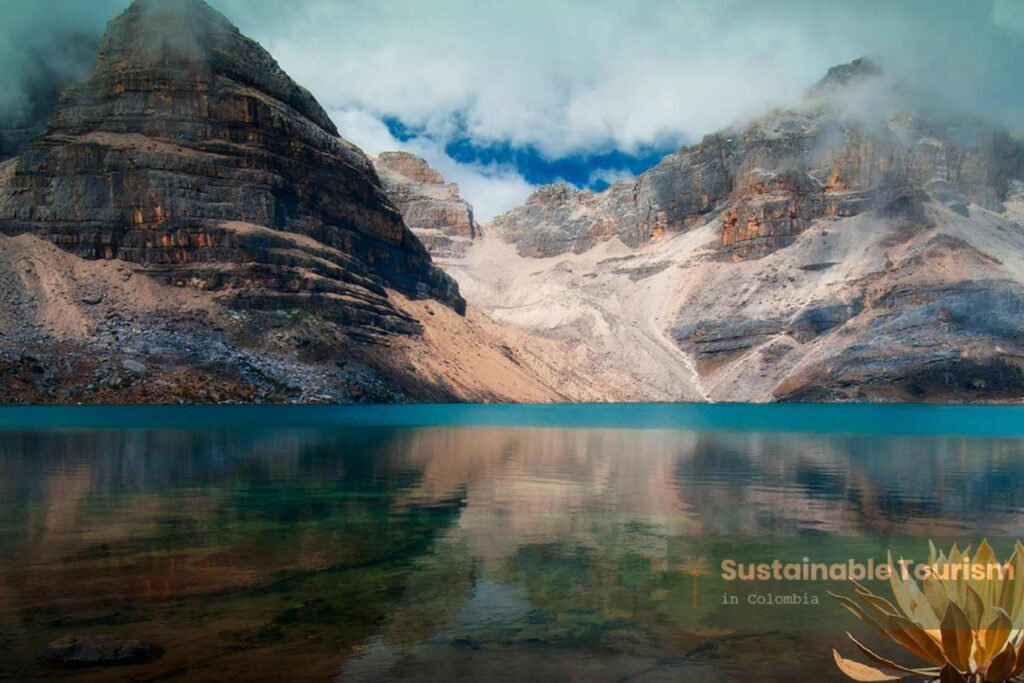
(190,228)
(74,330)
(189,152)
(822,253)
(863,308)
(432,208)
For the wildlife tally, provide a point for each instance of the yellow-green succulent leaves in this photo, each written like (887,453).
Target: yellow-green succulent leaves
(968,626)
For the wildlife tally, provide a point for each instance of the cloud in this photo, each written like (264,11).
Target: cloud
(1009,14)
(578,76)
(492,189)
(45,44)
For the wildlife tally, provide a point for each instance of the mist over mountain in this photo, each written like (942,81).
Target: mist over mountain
(579,79)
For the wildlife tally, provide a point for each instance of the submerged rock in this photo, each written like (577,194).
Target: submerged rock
(99,651)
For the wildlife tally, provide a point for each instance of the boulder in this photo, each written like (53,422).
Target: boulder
(105,650)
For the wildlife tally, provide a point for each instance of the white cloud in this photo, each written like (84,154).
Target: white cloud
(577,76)
(364,130)
(571,77)
(492,189)
(1009,14)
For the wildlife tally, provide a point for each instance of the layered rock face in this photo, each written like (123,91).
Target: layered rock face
(191,214)
(771,179)
(432,208)
(190,152)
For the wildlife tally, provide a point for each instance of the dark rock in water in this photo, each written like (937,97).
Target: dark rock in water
(190,152)
(99,651)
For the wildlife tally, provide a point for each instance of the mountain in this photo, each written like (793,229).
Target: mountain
(432,208)
(191,227)
(859,246)
(187,135)
(771,179)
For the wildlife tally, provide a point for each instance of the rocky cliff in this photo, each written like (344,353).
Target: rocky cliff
(432,208)
(215,234)
(190,227)
(188,150)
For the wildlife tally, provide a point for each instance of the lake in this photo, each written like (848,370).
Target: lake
(499,543)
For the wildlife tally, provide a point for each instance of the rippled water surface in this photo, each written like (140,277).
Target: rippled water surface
(475,543)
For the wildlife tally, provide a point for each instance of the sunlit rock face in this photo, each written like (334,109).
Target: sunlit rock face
(190,151)
(856,144)
(431,207)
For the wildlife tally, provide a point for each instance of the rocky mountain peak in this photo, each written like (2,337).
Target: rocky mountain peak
(189,152)
(849,247)
(842,75)
(166,40)
(844,151)
(410,166)
(559,192)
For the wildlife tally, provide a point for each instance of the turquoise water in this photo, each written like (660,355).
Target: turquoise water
(439,543)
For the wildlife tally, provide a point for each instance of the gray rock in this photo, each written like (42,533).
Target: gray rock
(234,178)
(722,339)
(815,320)
(432,208)
(134,367)
(99,651)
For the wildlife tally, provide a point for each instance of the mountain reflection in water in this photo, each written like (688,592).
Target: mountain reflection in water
(443,553)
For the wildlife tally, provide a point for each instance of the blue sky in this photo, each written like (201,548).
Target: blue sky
(594,169)
(505,95)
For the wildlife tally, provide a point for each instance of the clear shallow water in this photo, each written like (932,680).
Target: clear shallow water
(474,542)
